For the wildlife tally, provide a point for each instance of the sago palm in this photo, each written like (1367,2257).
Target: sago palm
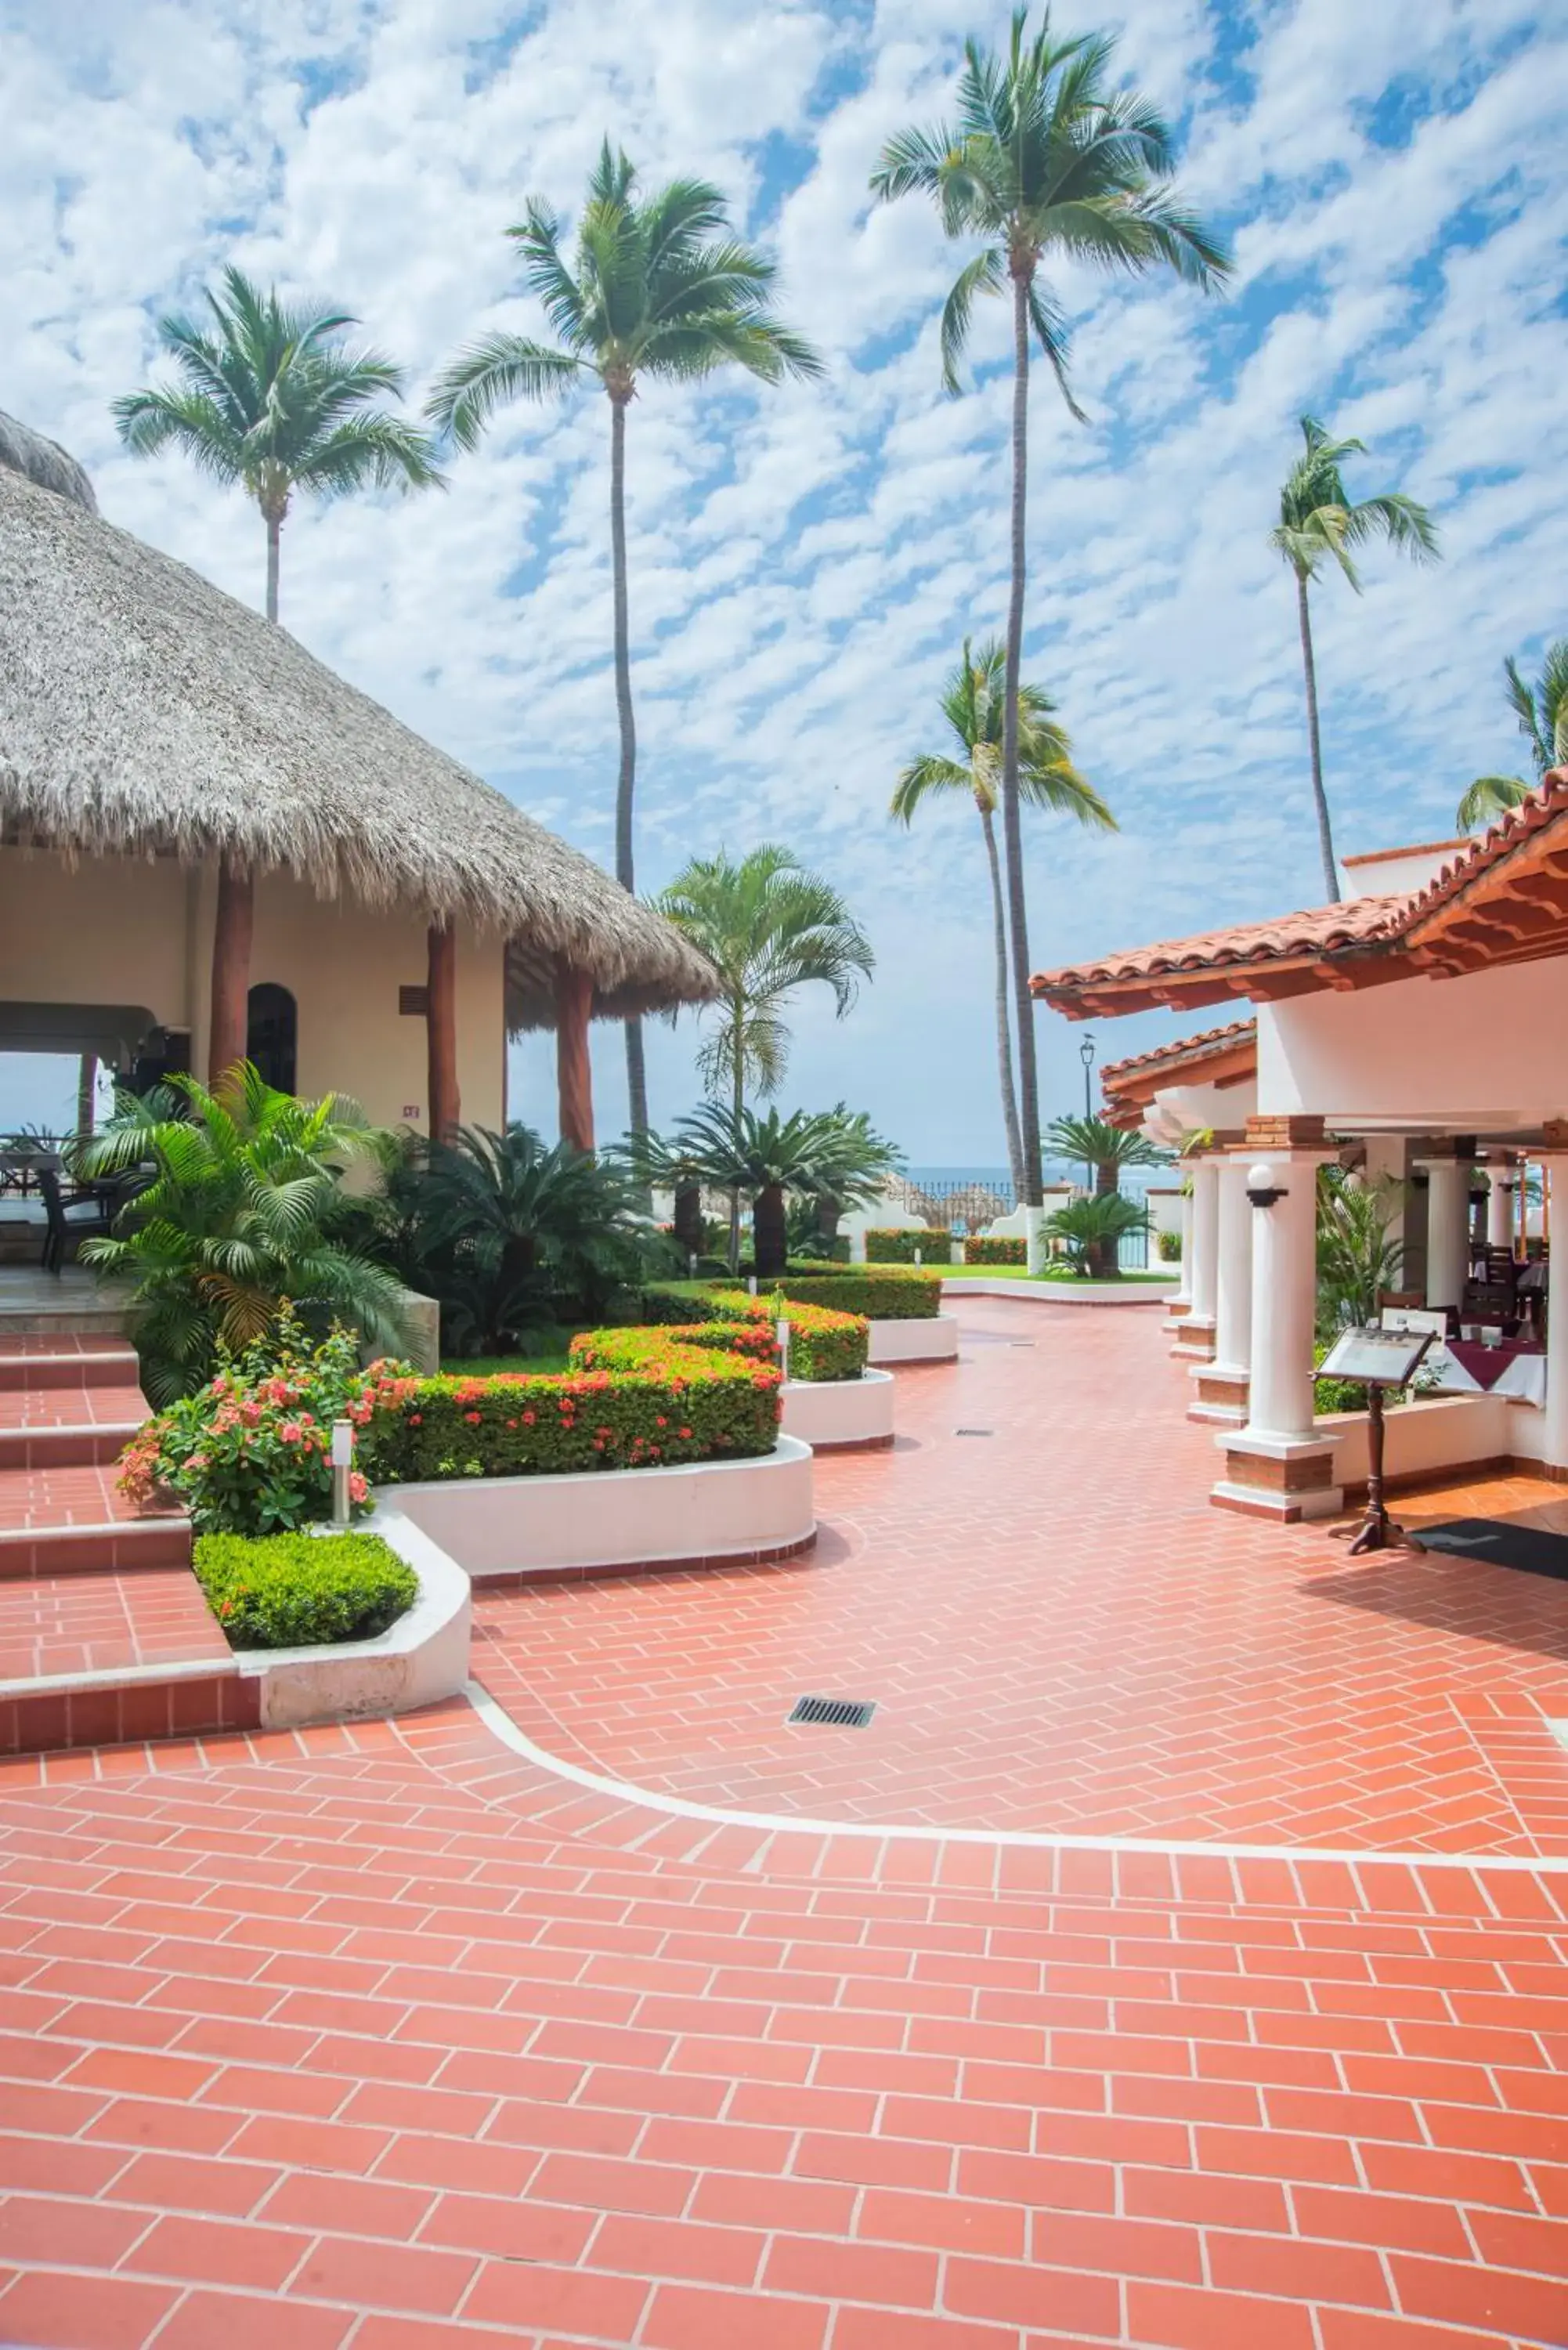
(246,1210)
(1044,160)
(1092,1231)
(972,706)
(767,1160)
(1541,711)
(659,289)
(1107,1148)
(270,399)
(1320,519)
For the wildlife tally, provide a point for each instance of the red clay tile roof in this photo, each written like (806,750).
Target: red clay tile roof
(1312,938)
(1208,1040)
(1323,930)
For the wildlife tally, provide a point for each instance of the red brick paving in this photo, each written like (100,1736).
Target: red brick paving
(383,2038)
(1062,1635)
(91,1622)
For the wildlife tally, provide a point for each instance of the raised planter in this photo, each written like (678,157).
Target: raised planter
(615,1521)
(1063,1292)
(933,1339)
(420,1658)
(833,1415)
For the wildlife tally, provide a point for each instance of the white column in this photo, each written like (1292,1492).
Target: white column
(1386,1168)
(1035,1252)
(1500,1206)
(1184,1287)
(1234,1304)
(1556,1431)
(1204,1240)
(1448,1230)
(1284,1298)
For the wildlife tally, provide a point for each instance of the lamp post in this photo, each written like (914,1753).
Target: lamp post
(1086,1055)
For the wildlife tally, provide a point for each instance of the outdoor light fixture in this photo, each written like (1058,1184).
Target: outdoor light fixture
(1261,1189)
(1086,1055)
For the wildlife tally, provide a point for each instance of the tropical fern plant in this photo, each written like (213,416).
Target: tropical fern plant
(1107,1148)
(1092,1231)
(1357,1258)
(244,1210)
(271,399)
(1541,711)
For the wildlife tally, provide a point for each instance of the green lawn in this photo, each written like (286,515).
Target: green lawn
(487,1367)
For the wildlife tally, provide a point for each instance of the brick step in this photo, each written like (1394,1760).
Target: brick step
(54,1362)
(65,1444)
(128,1707)
(56,1521)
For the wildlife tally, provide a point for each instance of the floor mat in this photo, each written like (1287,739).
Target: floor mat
(1530,1548)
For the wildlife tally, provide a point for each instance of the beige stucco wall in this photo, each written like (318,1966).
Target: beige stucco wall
(127,930)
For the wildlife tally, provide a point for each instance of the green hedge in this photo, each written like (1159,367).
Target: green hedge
(637,1398)
(889,1292)
(300,1590)
(826,1343)
(892,1247)
(1003,1249)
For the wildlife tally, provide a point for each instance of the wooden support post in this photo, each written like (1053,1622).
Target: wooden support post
(229,1030)
(574,1070)
(440,1031)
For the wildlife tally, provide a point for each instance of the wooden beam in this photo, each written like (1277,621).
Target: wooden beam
(445,1103)
(573,1069)
(229,1029)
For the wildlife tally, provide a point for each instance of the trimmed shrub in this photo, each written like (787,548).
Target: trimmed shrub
(895,1247)
(825,1343)
(1004,1249)
(1167,1247)
(300,1590)
(886,1292)
(635,1398)
(249,1453)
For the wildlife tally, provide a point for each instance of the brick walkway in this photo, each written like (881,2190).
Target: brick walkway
(1061,1634)
(388,2039)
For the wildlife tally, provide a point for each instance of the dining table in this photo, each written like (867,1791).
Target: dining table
(1512,1368)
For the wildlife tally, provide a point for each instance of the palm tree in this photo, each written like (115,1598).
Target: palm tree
(1105,1148)
(1043,158)
(271,399)
(245,1212)
(768,927)
(803,1156)
(972,706)
(1318,517)
(1541,711)
(659,289)
(1093,1230)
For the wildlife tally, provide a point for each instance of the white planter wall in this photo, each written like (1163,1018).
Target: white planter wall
(827,1412)
(418,1660)
(542,1527)
(934,1340)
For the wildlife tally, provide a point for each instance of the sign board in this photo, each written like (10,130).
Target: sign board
(1383,1359)
(1433,1319)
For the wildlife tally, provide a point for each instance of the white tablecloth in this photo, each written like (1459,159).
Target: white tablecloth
(1524,1381)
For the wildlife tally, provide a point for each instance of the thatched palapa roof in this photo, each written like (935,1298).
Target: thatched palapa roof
(141,710)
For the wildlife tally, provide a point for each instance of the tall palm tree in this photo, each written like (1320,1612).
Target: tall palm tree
(972,706)
(1318,517)
(1043,159)
(768,927)
(1541,711)
(662,289)
(271,399)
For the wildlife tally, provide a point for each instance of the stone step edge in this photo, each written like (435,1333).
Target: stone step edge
(52,1431)
(119,1366)
(102,1677)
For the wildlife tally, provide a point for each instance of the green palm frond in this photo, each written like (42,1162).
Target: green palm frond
(1488,798)
(973,703)
(1319,518)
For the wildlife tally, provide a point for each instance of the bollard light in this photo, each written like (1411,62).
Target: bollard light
(781,1332)
(751,1285)
(918,1257)
(342,1463)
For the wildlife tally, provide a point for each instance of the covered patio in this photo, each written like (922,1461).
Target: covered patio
(1414,1036)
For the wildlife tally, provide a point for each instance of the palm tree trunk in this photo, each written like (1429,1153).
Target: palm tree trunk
(768,1243)
(625,785)
(1011,827)
(737,1104)
(273,533)
(1003,1018)
(1324,832)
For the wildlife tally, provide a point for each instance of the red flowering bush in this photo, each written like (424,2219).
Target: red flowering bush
(823,1343)
(635,1398)
(249,1453)
(1000,1248)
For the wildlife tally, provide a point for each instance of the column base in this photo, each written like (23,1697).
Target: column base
(1285,1478)
(1194,1339)
(1219,1396)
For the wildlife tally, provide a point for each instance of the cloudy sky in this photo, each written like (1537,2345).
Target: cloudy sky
(805,562)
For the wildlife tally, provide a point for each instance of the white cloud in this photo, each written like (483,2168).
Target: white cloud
(805,563)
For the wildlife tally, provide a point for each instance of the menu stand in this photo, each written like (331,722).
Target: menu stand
(1377,1360)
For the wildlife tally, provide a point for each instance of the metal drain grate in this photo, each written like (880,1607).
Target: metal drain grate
(974,1431)
(835,1712)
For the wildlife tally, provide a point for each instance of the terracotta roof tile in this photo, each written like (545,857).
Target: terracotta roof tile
(1322,930)
(1235,1032)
